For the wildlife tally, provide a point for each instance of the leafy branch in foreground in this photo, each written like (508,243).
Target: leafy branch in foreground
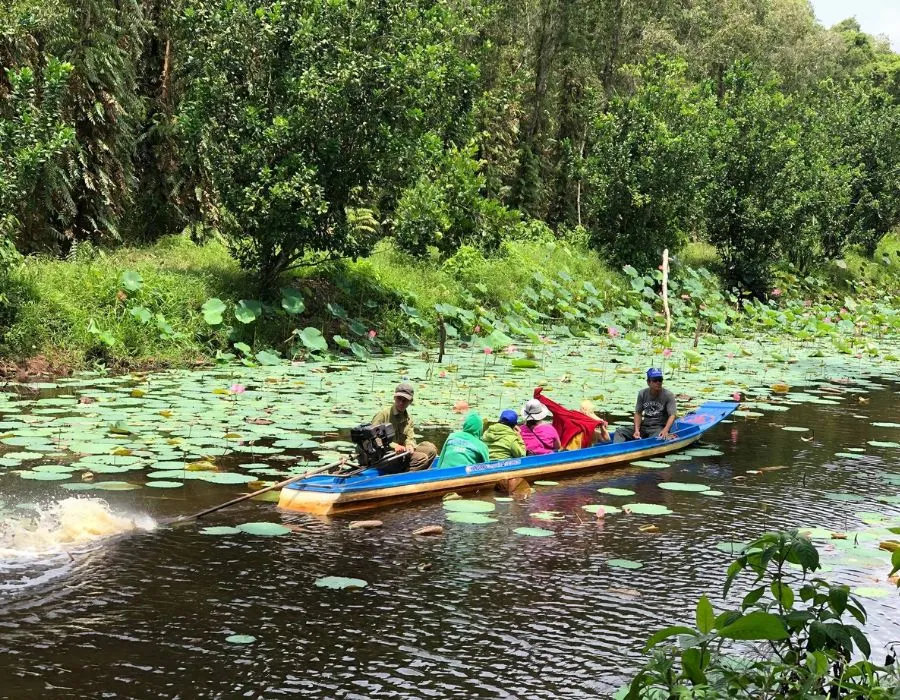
(798,637)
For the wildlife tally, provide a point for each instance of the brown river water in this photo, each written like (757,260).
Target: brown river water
(478,612)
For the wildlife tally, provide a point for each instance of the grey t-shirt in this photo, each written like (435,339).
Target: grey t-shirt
(656,411)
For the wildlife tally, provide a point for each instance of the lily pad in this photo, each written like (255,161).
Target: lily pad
(648,464)
(624,564)
(467,505)
(843,497)
(546,483)
(164,484)
(44,476)
(264,529)
(884,424)
(220,530)
(850,455)
(795,429)
(340,582)
(647,509)
(872,592)
(703,452)
(548,515)
(533,532)
(607,510)
(883,443)
(734,548)
(679,486)
(470,518)
(240,639)
(610,491)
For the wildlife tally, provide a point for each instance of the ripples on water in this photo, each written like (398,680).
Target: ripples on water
(477,612)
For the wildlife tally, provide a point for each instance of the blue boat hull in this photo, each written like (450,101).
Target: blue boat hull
(327,494)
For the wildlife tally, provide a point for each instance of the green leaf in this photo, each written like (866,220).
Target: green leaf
(837,599)
(292,301)
(312,339)
(895,562)
(665,633)
(141,313)
(757,625)
(243,347)
(752,597)
(131,281)
(693,660)
(213,310)
(247,310)
(267,358)
(705,615)
(359,351)
(783,593)
(341,342)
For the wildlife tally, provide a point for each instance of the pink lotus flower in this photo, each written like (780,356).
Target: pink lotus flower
(442,374)
(844,310)
(736,396)
(237,389)
(730,356)
(827,319)
(776,292)
(488,351)
(667,352)
(477,330)
(372,335)
(613,332)
(510,349)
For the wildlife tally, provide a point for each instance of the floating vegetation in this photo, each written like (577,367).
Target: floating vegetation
(650,464)
(464,505)
(646,509)
(264,529)
(340,582)
(546,483)
(240,639)
(220,530)
(703,452)
(533,532)
(679,486)
(470,518)
(610,491)
(597,508)
(624,564)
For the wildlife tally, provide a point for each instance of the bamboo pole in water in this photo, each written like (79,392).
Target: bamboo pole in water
(665,292)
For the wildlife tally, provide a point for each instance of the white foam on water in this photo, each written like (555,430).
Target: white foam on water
(64,525)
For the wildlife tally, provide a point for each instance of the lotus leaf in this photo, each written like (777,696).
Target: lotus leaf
(883,443)
(703,452)
(849,455)
(647,464)
(533,532)
(470,518)
(240,639)
(679,486)
(264,529)
(220,530)
(624,564)
(340,582)
(646,509)
(548,515)
(546,483)
(44,476)
(464,505)
(711,492)
(596,507)
(610,491)
(164,484)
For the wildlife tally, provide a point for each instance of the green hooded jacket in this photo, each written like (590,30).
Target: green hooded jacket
(465,446)
(503,442)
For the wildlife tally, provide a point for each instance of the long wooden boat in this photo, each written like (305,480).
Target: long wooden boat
(333,494)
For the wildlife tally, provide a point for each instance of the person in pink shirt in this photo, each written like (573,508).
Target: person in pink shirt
(538,432)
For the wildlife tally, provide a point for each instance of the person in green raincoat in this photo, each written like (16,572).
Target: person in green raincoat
(464,447)
(503,439)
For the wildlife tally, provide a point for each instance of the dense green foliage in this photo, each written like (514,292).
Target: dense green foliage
(804,626)
(305,132)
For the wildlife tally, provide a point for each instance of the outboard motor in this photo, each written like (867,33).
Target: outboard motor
(373,442)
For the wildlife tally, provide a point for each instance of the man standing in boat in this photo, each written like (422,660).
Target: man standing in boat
(416,456)
(654,411)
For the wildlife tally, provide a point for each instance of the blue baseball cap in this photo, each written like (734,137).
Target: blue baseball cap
(654,373)
(509,416)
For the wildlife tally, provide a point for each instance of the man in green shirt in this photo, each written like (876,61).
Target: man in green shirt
(418,456)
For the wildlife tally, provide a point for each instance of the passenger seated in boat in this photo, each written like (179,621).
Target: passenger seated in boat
(464,447)
(654,412)
(538,433)
(576,429)
(503,439)
(415,456)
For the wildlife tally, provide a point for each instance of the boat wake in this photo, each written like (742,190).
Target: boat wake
(63,526)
